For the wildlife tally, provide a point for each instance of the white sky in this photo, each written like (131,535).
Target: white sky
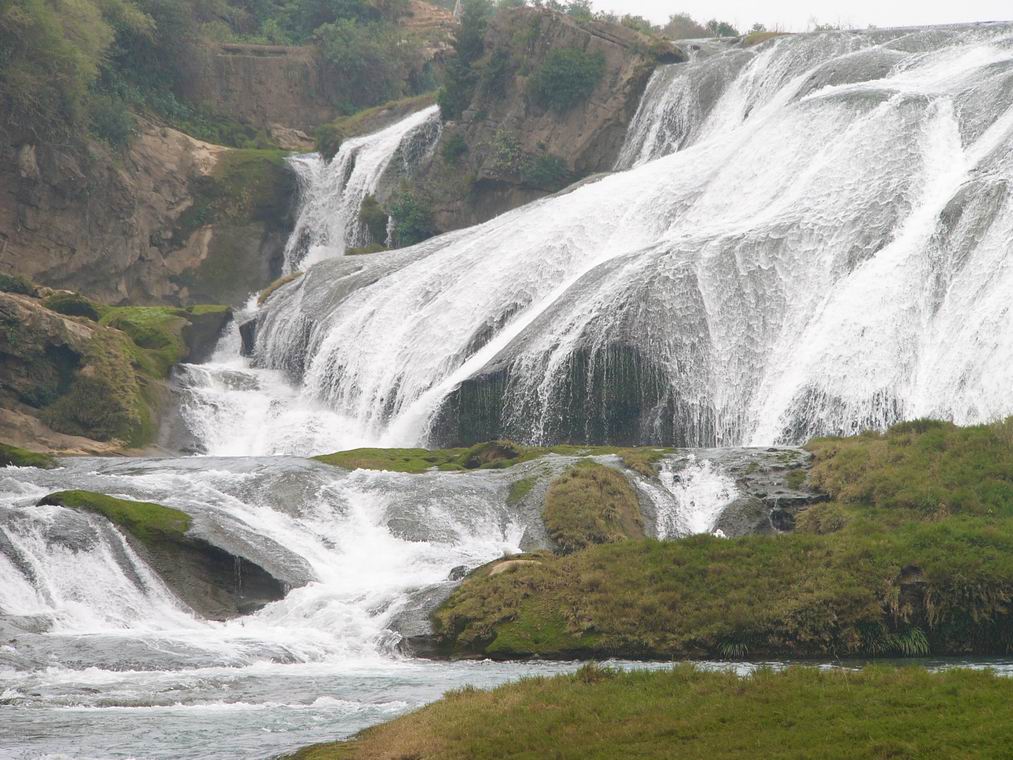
(797,15)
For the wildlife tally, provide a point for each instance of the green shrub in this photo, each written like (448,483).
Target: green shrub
(566,78)
(469,44)
(12,283)
(546,172)
(374,218)
(495,74)
(72,305)
(111,120)
(412,219)
(454,147)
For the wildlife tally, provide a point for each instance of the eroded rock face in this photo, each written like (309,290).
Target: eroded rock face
(113,226)
(507,134)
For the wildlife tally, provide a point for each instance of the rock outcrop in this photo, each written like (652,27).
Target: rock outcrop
(73,384)
(210,579)
(282,88)
(145,226)
(506,149)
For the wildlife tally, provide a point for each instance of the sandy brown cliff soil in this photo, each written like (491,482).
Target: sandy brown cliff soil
(141,226)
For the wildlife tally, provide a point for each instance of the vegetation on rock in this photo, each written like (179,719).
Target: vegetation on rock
(147,522)
(566,78)
(412,219)
(281,282)
(12,456)
(374,218)
(597,712)
(491,455)
(591,504)
(912,555)
(73,305)
(10,283)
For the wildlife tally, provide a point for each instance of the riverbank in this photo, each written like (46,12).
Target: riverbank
(876,712)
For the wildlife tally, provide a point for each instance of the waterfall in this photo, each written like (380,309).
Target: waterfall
(812,238)
(332,192)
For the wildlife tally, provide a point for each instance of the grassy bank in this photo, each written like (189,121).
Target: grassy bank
(913,555)
(801,712)
(492,455)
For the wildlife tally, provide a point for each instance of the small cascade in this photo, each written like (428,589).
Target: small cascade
(332,192)
(701,491)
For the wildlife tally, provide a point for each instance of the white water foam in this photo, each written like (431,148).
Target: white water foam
(819,246)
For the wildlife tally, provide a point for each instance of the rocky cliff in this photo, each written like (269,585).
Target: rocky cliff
(81,377)
(508,148)
(286,87)
(170,220)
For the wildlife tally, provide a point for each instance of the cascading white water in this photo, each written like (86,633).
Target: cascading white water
(332,192)
(86,625)
(814,239)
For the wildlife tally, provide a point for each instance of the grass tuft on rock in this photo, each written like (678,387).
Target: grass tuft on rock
(591,504)
(147,522)
(878,712)
(12,456)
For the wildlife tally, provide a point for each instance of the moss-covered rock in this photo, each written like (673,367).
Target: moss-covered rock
(591,504)
(12,456)
(72,305)
(10,283)
(243,208)
(211,580)
(98,375)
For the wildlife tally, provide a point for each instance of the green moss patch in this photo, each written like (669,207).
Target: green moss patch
(72,305)
(914,555)
(684,712)
(149,523)
(116,393)
(12,456)
(591,504)
(491,455)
